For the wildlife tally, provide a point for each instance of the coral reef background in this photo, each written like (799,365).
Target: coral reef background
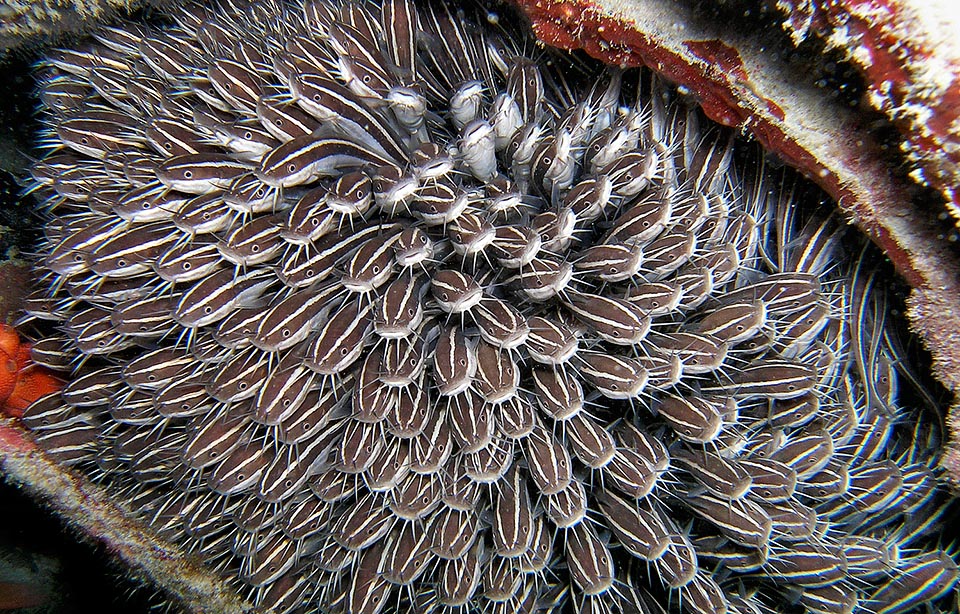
(35,22)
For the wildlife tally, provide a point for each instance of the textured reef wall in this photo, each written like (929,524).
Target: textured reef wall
(33,22)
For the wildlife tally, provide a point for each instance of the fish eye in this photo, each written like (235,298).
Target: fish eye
(292,167)
(188,174)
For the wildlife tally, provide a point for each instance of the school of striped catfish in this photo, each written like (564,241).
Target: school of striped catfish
(383,307)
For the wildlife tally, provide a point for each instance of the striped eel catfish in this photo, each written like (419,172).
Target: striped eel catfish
(381,307)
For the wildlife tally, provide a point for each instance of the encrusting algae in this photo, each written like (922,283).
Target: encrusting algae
(384,309)
(22,21)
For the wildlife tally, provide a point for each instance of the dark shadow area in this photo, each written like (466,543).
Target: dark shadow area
(43,563)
